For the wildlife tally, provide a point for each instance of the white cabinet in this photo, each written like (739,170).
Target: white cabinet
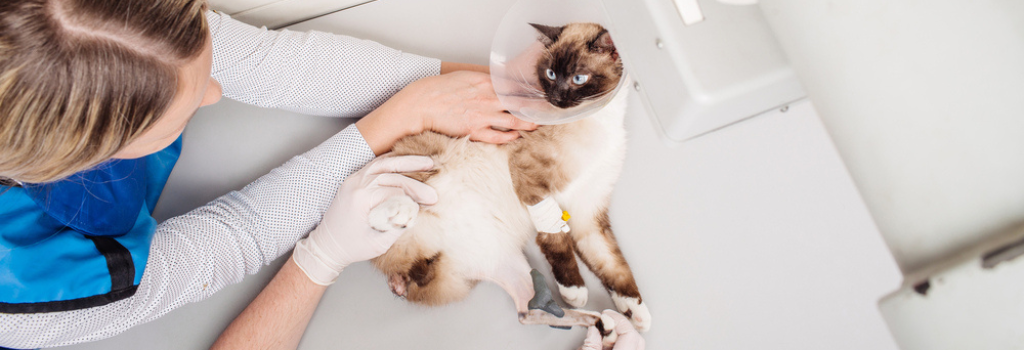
(701,65)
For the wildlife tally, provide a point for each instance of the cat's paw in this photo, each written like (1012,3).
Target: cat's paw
(399,284)
(394,213)
(635,309)
(607,328)
(575,296)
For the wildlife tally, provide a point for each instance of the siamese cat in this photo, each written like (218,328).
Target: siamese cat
(480,224)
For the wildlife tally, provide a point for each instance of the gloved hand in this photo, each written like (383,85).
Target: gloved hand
(624,336)
(345,235)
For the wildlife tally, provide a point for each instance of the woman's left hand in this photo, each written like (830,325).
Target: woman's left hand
(462,103)
(457,104)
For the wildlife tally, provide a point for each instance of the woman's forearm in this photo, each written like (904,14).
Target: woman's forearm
(254,65)
(197,254)
(278,316)
(385,126)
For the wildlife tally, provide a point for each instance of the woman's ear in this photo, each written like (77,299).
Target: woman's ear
(213,93)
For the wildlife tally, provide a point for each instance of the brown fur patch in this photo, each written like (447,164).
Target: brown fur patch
(558,249)
(422,271)
(426,144)
(427,278)
(536,171)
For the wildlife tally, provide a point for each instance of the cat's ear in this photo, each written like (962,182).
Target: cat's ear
(603,43)
(550,34)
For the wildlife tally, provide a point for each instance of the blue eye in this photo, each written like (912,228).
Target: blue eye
(551,74)
(580,79)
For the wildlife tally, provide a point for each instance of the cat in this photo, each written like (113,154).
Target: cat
(480,224)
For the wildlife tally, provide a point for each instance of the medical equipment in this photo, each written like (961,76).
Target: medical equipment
(548,217)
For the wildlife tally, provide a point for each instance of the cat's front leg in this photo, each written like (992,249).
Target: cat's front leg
(394,213)
(598,248)
(558,249)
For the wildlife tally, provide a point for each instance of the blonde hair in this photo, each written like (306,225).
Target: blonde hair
(80,79)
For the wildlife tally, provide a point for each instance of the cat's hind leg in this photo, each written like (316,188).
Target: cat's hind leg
(598,249)
(558,249)
(514,277)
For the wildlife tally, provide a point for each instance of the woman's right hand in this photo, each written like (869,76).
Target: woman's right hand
(348,232)
(457,104)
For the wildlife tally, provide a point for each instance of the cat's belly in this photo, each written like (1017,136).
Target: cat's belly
(478,220)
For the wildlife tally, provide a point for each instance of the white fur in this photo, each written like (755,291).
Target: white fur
(574,296)
(394,213)
(641,317)
(479,220)
(600,163)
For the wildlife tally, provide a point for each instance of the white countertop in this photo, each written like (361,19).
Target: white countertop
(751,237)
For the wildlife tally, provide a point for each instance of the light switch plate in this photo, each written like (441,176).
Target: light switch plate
(281,13)
(698,78)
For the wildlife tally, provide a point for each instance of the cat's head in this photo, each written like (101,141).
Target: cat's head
(579,63)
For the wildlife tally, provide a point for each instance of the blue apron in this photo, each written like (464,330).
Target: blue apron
(83,241)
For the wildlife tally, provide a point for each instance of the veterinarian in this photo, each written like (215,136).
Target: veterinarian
(94,95)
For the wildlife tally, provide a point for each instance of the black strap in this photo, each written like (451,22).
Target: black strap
(122,283)
(67,305)
(119,261)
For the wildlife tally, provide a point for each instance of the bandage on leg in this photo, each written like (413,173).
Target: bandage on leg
(548,217)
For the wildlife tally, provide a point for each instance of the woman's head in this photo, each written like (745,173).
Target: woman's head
(82,81)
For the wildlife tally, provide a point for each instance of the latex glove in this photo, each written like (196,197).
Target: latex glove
(345,235)
(625,336)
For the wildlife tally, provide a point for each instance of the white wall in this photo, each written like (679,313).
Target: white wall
(924,100)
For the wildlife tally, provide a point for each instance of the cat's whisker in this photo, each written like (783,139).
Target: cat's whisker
(530,91)
(529,88)
(599,95)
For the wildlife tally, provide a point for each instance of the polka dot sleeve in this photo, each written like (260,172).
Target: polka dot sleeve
(198,253)
(309,72)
